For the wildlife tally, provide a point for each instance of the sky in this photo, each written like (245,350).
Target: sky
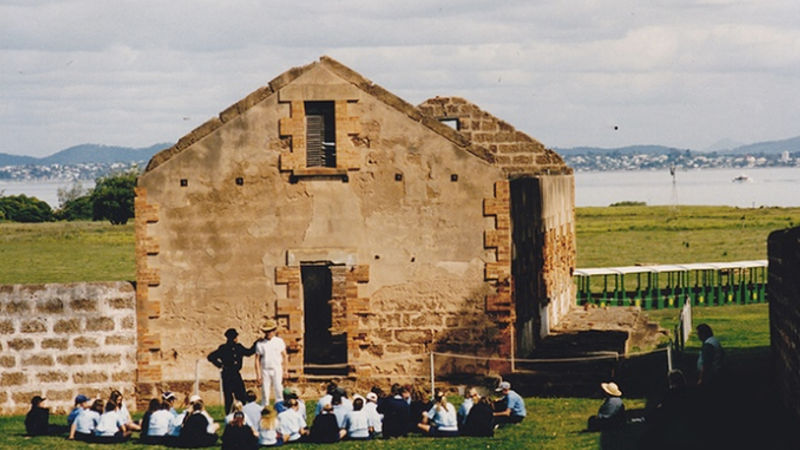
(680,73)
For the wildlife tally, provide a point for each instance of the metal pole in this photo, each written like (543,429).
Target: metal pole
(433,376)
(669,357)
(513,352)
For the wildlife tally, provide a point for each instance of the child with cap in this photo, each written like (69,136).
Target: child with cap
(81,403)
(510,408)
(37,419)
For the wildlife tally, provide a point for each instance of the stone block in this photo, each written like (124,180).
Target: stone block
(89,377)
(24,398)
(116,339)
(33,326)
(60,395)
(38,360)
(8,361)
(13,379)
(84,342)
(17,308)
(50,306)
(83,304)
(20,344)
(75,359)
(100,324)
(123,377)
(67,326)
(106,358)
(128,323)
(414,336)
(121,303)
(53,376)
(6,327)
(54,343)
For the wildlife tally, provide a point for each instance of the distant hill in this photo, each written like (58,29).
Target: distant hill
(791,145)
(16,160)
(87,153)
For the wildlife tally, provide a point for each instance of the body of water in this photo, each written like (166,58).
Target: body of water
(43,190)
(779,186)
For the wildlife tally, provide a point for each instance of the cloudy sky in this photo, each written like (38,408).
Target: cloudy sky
(681,73)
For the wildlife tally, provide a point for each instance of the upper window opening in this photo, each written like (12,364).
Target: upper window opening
(320,134)
(451,122)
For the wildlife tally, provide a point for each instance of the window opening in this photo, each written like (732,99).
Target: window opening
(451,122)
(320,134)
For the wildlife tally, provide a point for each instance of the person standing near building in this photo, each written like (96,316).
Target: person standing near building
(228,357)
(711,360)
(272,362)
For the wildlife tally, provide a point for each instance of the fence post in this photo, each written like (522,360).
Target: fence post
(433,375)
(669,357)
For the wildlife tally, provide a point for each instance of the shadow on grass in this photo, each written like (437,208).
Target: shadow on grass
(742,413)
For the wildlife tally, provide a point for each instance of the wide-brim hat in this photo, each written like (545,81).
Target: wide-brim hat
(269,325)
(611,389)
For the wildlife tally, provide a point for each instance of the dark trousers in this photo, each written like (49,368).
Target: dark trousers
(232,386)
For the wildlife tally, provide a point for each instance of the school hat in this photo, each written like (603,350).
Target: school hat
(503,385)
(80,398)
(231,333)
(269,325)
(371,396)
(37,399)
(611,388)
(195,398)
(167,395)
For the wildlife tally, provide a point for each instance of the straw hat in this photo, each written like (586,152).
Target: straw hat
(269,325)
(611,388)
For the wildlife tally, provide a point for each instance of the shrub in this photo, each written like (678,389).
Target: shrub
(79,208)
(21,208)
(629,203)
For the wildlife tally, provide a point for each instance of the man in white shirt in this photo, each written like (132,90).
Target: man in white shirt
(375,418)
(272,362)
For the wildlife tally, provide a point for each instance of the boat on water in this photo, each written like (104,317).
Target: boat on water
(742,178)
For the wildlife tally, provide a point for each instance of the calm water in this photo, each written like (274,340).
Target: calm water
(769,187)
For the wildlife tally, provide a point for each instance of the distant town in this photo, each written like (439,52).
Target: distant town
(71,164)
(594,161)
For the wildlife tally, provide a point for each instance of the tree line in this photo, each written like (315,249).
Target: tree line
(111,199)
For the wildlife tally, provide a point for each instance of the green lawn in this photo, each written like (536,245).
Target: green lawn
(624,236)
(63,252)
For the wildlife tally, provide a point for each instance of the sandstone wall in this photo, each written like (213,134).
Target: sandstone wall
(59,340)
(513,150)
(783,290)
(406,226)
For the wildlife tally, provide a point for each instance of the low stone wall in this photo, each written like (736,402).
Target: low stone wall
(58,340)
(783,291)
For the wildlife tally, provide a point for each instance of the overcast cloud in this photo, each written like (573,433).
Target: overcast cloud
(672,72)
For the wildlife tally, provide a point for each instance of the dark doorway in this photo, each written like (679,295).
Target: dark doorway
(320,347)
(526,260)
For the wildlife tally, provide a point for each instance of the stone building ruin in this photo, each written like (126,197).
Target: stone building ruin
(373,230)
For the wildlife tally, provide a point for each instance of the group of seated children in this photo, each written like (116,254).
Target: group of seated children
(250,425)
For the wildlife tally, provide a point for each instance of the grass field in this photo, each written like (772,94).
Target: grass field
(85,251)
(627,235)
(63,252)
(97,251)
(559,423)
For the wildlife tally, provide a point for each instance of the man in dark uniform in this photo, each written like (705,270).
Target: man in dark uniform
(228,357)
